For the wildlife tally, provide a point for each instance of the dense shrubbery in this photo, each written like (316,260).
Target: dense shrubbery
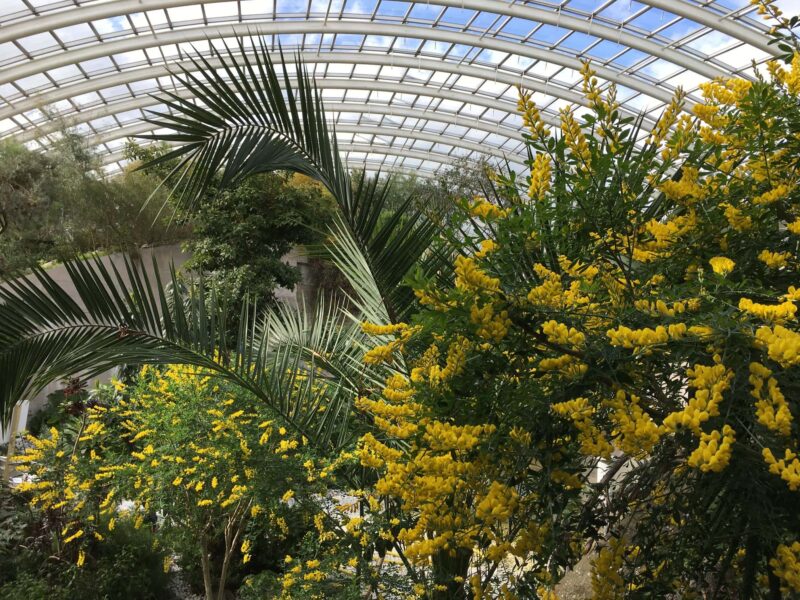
(242,234)
(36,565)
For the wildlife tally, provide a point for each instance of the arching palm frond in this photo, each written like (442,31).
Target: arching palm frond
(245,118)
(285,357)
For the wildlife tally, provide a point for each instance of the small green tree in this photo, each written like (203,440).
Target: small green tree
(242,234)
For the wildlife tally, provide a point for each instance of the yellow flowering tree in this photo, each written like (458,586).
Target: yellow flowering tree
(184,452)
(614,362)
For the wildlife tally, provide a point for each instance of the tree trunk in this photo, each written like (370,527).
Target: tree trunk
(446,567)
(226,559)
(232,532)
(205,561)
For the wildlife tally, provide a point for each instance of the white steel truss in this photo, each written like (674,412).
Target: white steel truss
(409,85)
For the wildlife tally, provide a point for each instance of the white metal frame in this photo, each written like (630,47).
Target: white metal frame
(647,48)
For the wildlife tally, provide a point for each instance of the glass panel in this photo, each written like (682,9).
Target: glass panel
(39,43)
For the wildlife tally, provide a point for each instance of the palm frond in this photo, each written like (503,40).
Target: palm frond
(247,119)
(130,317)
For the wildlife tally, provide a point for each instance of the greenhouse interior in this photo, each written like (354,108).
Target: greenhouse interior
(389,299)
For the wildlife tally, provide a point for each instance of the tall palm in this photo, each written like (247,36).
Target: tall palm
(245,121)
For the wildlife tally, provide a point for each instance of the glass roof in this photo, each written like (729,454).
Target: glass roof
(410,85)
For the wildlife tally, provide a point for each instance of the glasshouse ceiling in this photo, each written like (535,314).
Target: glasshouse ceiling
(410,85)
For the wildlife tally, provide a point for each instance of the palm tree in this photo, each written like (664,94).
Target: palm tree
(245,122)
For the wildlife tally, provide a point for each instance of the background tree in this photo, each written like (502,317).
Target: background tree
(56,204)
(241,235)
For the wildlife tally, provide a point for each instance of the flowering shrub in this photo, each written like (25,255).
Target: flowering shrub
(184,450)
(635,310)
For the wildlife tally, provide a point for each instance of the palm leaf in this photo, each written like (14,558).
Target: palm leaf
(246,119)
(129,317)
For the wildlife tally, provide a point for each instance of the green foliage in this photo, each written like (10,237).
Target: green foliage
(242,233)
(34,567)
(56,204)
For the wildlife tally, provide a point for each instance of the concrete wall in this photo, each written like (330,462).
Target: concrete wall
(164,257)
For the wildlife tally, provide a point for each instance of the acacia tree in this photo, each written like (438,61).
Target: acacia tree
(634,310)
(216,466)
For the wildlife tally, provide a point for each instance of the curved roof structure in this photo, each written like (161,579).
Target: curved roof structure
(411,85)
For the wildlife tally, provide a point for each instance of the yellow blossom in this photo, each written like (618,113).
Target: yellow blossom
(721,265)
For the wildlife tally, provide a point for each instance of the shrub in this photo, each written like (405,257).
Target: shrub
(633,310)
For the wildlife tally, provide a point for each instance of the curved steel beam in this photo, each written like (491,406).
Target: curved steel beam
(133,73)
(368,130)
(369,165)
(384,151)
(379,86)
(715,22)
(95,11)
(115,133)
(331,27)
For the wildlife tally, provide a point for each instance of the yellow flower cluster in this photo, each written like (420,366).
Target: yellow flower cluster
(714,451)
(486,247)
(778,192)
(558,333)
(429,369)
(497,504)
(393,413)
(782,344)
(666,233)
(591,88)
(667,119)
(469,277)
(774,260)
(643,339)
(786,565)
(772,313)
(659,308)
(552,293)
(772,409)
(433,479)
(686,189)
(575,139)
(736,218)
(375,329)
(385,352)
(566,364)
(491,325)
(541,171)
(787,468)
(485,210)
(592,439)
(729,91)
(445,437)
(721,265)
(531,117)
(637,433)
(710,383)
